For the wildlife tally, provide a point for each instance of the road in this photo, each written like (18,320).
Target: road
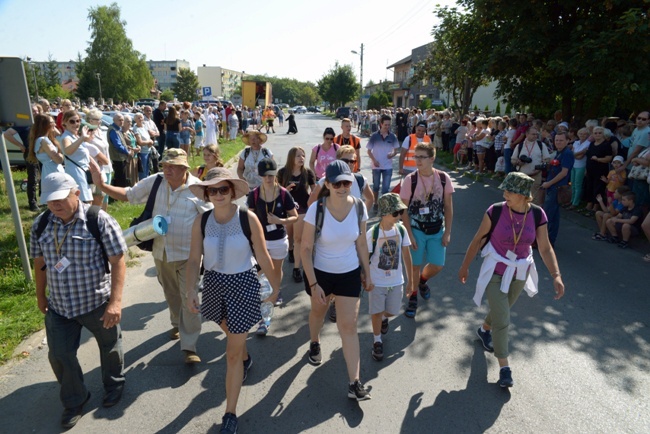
(580,364)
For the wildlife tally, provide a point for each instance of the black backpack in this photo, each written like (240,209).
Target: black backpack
(496,214)
(92,216)
(265,153)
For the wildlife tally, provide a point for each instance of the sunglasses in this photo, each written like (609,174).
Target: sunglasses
(398,213)
(346,184)
(347,160)
(74,121)
(641,119)
(223,190)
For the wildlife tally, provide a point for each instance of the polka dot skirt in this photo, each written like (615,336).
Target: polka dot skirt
(233,297)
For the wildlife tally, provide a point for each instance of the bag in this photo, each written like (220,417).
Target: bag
(500,166)
(430,228)
(140,166)
(89,176)
(564,195)
(639,172)
(147,214)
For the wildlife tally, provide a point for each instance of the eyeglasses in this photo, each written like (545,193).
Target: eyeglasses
(329,139)
(639,118)
(223,190)
(346,184)
(347,160)
(398,213)
(74,121)
(421,157)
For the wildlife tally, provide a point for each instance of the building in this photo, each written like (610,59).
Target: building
(402,73)
(165,71)
(66,70)
(221,81)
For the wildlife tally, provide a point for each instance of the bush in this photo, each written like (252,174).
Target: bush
(167,95)
(425,104)
(498,109)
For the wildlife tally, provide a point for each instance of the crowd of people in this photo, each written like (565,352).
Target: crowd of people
(314,213)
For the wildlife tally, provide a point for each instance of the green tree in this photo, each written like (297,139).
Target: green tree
(308,95)
(580,55)
(378,100)
(455,63)
(51,72)
(339,85)
(167,95)
(186,85)
(34,74)
(124,72)
(497,110)
(425,104)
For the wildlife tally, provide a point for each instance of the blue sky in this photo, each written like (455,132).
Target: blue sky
(298,39)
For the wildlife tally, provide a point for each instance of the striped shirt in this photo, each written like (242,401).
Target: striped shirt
(180,207)
(84,285)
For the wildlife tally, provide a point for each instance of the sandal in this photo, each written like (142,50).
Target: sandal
(598,236)
(647,257)
(623,244)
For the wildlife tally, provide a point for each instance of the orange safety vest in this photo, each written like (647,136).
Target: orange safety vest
(409,160)
(354,142)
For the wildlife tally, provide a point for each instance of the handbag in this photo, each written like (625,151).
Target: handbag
(639,172)
(430,228)
(564,195)
(147,213)
(89,176)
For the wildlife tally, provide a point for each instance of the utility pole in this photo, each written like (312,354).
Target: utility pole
(29,60)
(361,76)
(99,81)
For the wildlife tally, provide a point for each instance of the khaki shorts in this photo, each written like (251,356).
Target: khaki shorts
(385,299)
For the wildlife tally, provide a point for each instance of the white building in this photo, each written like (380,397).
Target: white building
(165,71)
(66,70)
(222,82)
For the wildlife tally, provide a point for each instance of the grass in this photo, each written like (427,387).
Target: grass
(19,314)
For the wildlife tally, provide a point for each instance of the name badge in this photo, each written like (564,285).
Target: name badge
(62,265)
(271,228)
(168,219)
(424,210)
(511,255)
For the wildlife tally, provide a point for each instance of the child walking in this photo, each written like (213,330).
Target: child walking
(388,244)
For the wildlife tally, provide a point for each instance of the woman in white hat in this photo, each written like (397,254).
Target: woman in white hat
(231,291)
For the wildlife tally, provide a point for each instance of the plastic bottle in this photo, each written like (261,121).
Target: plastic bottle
(265,292)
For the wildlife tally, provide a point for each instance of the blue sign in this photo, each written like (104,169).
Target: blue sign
(207,91)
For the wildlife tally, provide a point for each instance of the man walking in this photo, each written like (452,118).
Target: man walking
(347,138)
(179,206)
(70,261)
(382,147)
(407,155)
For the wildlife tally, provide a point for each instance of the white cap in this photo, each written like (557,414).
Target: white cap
(56,186)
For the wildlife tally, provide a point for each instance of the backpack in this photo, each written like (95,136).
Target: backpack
(336,148)
(375,236)
(496,214)
(320,214)
(414,183)
(243,221)
(147,213)
(265,153)
(360,181)
(92,216)
(256,194)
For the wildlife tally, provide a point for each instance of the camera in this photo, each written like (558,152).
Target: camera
(525,159)
(543,166)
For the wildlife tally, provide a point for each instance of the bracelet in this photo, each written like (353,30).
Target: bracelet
(314,284)
(556,274)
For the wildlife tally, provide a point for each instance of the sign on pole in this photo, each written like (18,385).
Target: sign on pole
(207,91)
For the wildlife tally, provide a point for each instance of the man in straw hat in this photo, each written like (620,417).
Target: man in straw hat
(179,206)
(81,291)
(251,156)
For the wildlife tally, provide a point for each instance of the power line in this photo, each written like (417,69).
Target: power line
(401,23)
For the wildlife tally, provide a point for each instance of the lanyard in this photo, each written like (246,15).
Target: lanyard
(521,231)
(269,211)
(57,244)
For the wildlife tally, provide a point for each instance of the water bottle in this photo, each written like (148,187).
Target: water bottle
(267,311)
(265,292)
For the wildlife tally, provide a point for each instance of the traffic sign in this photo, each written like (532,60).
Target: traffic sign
(236,99)
(207,91)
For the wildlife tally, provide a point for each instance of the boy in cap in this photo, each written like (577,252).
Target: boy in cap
(386,240)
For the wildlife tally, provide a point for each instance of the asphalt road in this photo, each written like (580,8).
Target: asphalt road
(580,364)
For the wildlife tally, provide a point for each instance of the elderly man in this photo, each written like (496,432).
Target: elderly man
(119,151)
(70,244)
(174,201)
(559,173)
(159,120)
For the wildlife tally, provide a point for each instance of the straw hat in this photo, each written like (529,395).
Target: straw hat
(247,135)
(217,175)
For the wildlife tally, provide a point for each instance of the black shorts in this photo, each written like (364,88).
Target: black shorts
(345,284)
(269,122)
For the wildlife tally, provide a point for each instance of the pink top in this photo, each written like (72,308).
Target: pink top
(323,158)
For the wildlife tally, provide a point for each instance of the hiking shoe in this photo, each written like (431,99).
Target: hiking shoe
(297,275)
(332,312)
(191,357)
(279,300)
(486,339)
(315,357)
(291,258)
(262,329)
(425,292)
(411,308)
(228,424)
(505,377)
(384,326)
(378,351)
(247,365)
(357,391)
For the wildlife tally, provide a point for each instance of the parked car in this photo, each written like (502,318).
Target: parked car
(343,112)
(313,109)
(299,109)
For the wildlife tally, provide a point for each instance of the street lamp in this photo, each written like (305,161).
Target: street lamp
(29,60)
(99,81)
(361,76)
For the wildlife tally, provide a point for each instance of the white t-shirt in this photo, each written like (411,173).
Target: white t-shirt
(577,148)
(386,262)
(335,249)
(509,135)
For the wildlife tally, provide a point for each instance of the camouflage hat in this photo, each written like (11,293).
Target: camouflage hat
(176,157)
(517,182)
(389,203)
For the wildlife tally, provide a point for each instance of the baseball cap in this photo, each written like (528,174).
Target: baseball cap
(619,159)
(337,171)
(56,186)
(267,166)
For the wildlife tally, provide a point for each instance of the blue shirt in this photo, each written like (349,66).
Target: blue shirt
(566,160)
(116,141)
(381,146)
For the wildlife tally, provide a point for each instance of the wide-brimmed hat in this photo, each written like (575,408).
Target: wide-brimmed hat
(217,175)
(175,156)
(267,166)
(56,186)
(337,171)
(389,203)
(247,135)
(517,182)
